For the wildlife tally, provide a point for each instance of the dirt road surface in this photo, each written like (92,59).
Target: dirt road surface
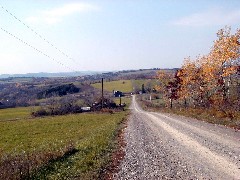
(163,146)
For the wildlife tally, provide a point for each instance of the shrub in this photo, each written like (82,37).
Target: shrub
(40,112)
(57,110)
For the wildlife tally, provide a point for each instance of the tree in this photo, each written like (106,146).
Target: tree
(188,75)
(173,88)
(224,56)
(207,80)
(167,86)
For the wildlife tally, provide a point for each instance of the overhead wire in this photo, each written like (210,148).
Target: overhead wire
(39,51)
(39,35)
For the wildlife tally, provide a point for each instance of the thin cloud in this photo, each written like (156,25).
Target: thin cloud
(56,15)
(211,17)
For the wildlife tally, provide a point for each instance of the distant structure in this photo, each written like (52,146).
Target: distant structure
(117,93)
(86,109)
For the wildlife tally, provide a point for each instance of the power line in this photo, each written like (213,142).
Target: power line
(40,36)
(39,51)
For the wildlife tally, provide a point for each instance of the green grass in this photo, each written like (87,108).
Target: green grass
(15,113)
(120,85)
(126,85)
(148,83)
(93,135)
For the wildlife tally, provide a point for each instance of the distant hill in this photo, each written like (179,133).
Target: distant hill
(144,73)
(60,74)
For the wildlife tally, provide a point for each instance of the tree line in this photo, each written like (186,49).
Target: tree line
(208,81)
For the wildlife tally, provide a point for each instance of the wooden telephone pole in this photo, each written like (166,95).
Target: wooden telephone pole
(102,93)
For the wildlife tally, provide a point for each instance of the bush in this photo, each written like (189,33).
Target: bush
(40,112)
(57,110)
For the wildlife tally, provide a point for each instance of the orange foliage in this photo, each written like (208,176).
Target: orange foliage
(209,76)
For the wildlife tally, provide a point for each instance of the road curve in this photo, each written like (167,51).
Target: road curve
(163,146)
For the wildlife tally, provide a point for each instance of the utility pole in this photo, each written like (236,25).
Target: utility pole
(120,100)
(102,93)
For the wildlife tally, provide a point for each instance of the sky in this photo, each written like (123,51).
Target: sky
(108,35)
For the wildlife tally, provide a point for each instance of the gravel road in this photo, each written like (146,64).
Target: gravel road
(163,146)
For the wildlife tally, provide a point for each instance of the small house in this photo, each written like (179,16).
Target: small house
(117,93)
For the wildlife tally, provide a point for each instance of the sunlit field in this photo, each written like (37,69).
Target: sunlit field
(79,145)
(15,113)
(120,85)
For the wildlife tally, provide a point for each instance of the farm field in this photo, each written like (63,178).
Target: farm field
(91,134)
(120,85)
(148,83)
(15,113)
(126,85)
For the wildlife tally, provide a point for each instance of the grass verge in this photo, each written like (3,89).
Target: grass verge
(117,154)
(209,115)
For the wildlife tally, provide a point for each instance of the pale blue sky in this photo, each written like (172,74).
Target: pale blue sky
(110,34)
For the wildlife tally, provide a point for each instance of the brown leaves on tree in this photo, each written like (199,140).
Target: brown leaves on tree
(209,80)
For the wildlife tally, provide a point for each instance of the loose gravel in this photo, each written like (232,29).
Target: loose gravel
(164,146)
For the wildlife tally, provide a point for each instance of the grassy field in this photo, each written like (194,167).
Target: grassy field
(15,113)
(148,83)
(92,136)
(126,85)
(121,85)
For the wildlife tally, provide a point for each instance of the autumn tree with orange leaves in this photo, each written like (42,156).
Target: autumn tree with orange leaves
(207,81)
(211,80)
